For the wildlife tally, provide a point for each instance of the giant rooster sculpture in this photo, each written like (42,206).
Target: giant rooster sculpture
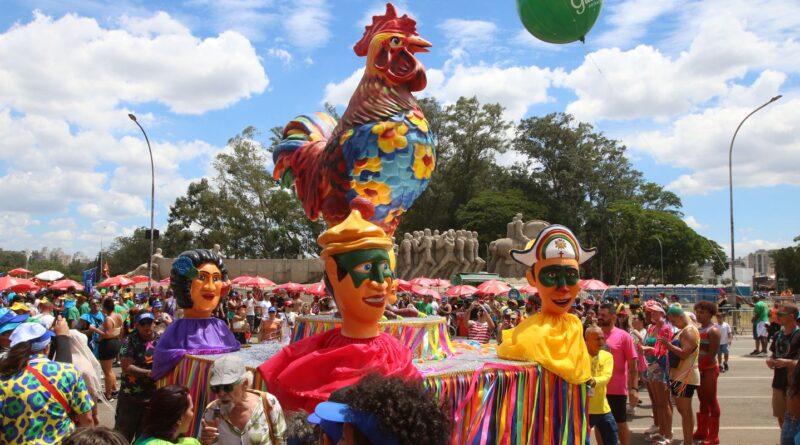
(380,156)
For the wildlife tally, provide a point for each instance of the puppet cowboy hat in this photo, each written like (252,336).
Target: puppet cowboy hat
(554,241)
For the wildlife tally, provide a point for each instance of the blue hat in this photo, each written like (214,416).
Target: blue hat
(331,416)
(144,316)
(34,333)
(9,320)
(157,304)
(272,309)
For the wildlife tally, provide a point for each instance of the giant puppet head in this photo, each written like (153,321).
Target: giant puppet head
(359,273)
(553,259)
(199,279)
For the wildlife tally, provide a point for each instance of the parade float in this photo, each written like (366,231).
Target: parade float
(360,174)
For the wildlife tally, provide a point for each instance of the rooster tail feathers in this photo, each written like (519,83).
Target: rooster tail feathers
(301,131)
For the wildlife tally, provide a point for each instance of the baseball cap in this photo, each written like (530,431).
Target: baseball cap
(331,416)
(272,309)
(157,304)
(34,333)
(288,303)
(227,370)
(144,316)
(9,320)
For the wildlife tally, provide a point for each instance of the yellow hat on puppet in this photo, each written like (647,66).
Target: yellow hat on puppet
(354,233)
(554,241)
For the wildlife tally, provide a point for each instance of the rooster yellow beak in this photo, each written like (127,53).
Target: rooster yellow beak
(417,44)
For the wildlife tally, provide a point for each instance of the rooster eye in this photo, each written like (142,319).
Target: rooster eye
(395,41)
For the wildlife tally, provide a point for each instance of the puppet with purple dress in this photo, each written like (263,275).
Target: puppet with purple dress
(198,280)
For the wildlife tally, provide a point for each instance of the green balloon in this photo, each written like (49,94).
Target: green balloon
(559,21)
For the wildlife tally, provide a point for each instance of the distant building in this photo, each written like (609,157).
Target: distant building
(762,263)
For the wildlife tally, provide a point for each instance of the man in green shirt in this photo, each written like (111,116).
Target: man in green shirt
(71,313)
(760,323)
(83,305)
(423,306)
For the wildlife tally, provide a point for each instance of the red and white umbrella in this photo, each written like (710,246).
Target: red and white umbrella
(257,282)
(592,284)
(290,287)
(66,284)
(463,290)
(19,271)
(17,284)
(119,280)
(165,281)
(419,290)
(424,281)
(404,285)
(528,290)
(238,280)
(441,282)
(316,289)
(493,287)
(139,279)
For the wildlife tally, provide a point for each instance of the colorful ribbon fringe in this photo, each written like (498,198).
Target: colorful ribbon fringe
(427,338)
(494,404)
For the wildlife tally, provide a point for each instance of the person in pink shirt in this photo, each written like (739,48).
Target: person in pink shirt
(620,344)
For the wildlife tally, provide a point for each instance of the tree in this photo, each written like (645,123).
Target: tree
(470,136)
(787,264)
(490,211)
(242,209)
(126,253)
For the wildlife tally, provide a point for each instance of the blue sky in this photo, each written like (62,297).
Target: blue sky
(671,79)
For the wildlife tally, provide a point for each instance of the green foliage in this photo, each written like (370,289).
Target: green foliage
(126,253)
(470,135)
(490,211)
(787,265)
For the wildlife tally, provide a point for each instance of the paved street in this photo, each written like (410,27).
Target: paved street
(745,400)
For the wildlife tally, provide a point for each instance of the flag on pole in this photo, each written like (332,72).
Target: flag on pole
(89,278)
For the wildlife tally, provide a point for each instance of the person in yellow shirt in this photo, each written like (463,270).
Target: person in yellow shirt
(600,417)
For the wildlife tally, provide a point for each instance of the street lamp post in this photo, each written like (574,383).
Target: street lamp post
(730,186)
(661,252)
(152,203)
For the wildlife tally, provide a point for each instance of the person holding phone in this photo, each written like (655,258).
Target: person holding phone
(479,324)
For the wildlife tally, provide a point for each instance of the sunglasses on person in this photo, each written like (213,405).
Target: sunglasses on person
(216,389)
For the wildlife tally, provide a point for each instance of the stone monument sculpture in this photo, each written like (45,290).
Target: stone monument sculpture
(518,235)
(438,255)
(144,269)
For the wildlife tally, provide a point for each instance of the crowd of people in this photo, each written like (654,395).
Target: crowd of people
(57,354)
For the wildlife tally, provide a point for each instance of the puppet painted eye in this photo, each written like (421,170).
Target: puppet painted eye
(395,41)
(364,268)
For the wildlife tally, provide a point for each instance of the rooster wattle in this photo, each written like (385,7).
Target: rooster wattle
(380,156)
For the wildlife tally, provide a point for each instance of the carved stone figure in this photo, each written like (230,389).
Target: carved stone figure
(479,262)
(404,251)
(144,269)
(424,252)
(448,257)
(519,234)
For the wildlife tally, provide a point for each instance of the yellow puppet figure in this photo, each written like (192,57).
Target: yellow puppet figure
(553,337)
(359,273)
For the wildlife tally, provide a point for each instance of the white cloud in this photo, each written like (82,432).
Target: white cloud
(692,222)
(644,82)
(339,93)
(307,23)
(14,234)
(72,67)
(65,223)
(251,18)
(764,153)
(524,38)
(516,88)
(746,246)
(280,54)
(629,19)
(468,33)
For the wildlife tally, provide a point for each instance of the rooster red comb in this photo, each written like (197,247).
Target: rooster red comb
(389,22)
